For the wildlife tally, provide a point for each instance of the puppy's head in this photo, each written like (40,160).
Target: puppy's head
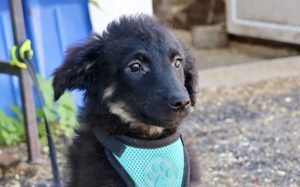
(137,69)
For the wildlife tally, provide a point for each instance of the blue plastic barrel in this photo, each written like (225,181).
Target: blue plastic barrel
(52,26)
(9,92)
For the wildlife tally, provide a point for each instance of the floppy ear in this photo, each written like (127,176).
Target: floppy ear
(191,77)
(78,68)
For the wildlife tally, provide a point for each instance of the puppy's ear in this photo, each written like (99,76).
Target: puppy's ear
(191,76)
(78,68)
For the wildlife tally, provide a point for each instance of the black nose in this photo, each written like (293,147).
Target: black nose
(179,103)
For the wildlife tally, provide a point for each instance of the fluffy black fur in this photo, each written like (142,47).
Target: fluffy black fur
(139,80)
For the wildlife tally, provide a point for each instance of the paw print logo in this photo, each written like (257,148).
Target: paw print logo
(161,173)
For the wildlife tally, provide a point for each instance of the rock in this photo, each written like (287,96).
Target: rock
(288,99)
(185,14)
(27,170)
(211,36)
(44,183)
(31,172)
(281,173)
(14,184)
(8,160)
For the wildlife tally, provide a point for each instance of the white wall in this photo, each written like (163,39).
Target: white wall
(276,20)
(112,9)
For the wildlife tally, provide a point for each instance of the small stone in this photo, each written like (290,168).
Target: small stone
(14,184)
(45,150)
(264,106)
(229,120)
(245,144)
(44,183)
(281,173)
(17,176)
(267,180)
(288,99)
(228,158)
(31,171)
(217,146)
(283,110)
(8,159)
(269,119)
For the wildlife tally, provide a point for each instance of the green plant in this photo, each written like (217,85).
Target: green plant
(11,129)
(95,3)
(61,116)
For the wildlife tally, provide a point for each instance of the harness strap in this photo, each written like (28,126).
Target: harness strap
(109,142)
(123,152)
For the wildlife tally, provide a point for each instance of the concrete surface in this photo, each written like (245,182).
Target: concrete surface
(236,52)
(228,76)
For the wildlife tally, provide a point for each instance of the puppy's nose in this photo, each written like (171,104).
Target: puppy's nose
(179,103)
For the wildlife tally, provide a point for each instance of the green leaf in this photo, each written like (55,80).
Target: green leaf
(47,91)
(10,127)
(61,116)
(16,110)
(95,3)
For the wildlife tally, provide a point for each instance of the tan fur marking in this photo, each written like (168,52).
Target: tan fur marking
(108,92)
(119,109)
(150,130)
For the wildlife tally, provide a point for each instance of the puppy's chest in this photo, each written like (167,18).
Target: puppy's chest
(154,163)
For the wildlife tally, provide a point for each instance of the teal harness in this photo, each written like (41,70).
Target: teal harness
(147,163)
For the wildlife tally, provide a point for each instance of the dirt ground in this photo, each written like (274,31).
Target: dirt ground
(247,136)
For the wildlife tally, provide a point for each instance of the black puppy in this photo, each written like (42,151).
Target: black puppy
(139,81)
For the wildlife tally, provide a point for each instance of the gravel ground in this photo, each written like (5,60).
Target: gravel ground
(247,136)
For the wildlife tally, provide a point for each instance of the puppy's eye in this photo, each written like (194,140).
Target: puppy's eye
(178,61)
(135,67)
